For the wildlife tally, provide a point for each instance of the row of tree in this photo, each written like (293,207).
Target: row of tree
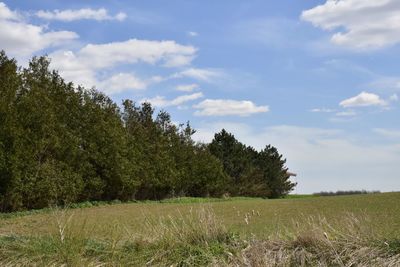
(61,144)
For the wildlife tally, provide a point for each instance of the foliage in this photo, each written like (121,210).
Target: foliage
(252,173)
(344,193)
(62,144)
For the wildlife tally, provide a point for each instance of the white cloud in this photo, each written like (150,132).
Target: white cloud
(206,75)
(120,16)
(187,87)
(20,39)
(324,159)
(7,14)
(193,34)
(72,68)
(179,60)
(158,79)
(134,50)
(364,99)
(79,14)
(185,98)
(160,101)
(359,24)
(322,110)
(223,107)
(121,82)
(82,66)
(394,98)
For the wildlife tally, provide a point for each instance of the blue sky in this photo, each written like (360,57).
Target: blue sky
(319,80)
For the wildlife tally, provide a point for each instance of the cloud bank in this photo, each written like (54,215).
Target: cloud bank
(358,24)
(20,38)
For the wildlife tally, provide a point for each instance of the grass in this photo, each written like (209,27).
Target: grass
(294,196)
(357,230)
(177,200)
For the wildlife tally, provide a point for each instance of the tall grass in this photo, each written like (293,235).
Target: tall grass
(350,244)
(90,204)
(199,238)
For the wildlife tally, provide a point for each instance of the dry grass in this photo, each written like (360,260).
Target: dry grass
(197,239)
(353,244)
(271,216)
(214,234)
(200,239)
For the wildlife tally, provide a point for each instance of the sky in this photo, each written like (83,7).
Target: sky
(319,80)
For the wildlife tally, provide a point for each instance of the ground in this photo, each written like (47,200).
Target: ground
(374,216)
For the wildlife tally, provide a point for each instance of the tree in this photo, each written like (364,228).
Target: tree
(10,85)
(275,172)
(232,153)
(252,173)
(61,143)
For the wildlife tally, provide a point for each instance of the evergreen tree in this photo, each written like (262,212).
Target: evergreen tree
(60,144)
(10,84)
(251,173)
(275,172)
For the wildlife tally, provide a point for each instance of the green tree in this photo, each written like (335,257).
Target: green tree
(252,173)
(10,86)
(61,143)
(275,172)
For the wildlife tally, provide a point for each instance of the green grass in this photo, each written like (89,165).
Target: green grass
(88,204)
(294,196)
(191,231)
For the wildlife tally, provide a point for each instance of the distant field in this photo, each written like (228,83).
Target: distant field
(381,212)
(378,214)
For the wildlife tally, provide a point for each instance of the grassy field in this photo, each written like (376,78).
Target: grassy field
(363,230)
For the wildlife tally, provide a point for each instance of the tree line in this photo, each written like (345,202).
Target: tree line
(61,143)
(344,193)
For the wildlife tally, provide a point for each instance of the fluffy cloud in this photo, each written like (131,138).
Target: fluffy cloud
(170,53)
(364,99)
(82,66)
(7,14)
(121,82)
(187,87)
(96,64)
(361,24)
(72,68)
(79,14)
(160,101)
(223,107)
(324,159)
(19,38)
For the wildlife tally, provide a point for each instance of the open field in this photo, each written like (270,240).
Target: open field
(229,232)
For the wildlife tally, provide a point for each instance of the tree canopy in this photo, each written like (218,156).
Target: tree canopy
(61,143)
(251,173)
